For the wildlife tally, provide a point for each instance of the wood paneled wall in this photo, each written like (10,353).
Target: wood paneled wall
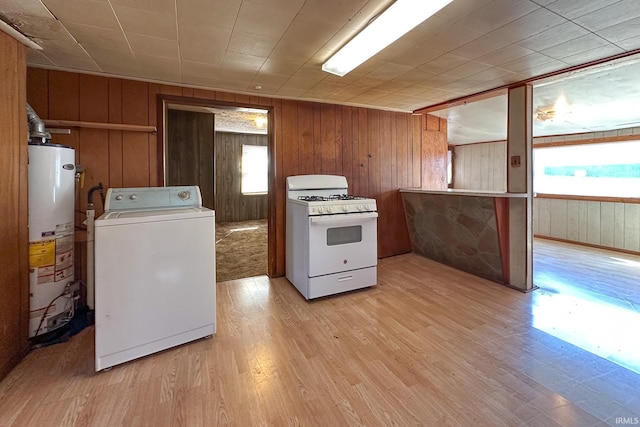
(377,151)
(607,224)
(480,166)
(14,266)
(434,152)
(189,152)
(231,204)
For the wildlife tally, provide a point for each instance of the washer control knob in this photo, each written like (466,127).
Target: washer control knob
(133,197)
(184,195)
(119,197)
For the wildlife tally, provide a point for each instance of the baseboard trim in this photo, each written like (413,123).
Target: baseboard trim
(590,245)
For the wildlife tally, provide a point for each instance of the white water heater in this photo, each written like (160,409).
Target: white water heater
(51,235)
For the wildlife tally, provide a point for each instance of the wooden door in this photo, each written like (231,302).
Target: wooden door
(190,152)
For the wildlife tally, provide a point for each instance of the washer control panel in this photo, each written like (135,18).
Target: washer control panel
(147,198)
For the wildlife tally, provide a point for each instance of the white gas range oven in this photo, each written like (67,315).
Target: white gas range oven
(331,237)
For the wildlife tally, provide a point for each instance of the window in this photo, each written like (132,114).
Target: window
(607,169)
(255,164)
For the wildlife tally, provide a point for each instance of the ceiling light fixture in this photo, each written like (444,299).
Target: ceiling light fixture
(400,18)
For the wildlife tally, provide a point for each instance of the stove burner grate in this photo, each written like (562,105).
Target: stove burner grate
(345,197)
(328,198)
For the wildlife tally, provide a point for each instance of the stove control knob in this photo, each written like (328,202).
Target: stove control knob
(320,209)
(329,209)
(360,207)
(345,208)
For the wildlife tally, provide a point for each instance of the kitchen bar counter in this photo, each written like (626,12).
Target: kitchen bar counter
(460,192)
(465,229)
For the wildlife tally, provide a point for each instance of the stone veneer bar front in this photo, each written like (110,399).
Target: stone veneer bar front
(464,229)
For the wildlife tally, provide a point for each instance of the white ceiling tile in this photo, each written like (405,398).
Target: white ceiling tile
(368,96)
(458,9)
(553,36)
(616,13)
(93,13)
(482,46)
(413,56)
(65,49)
(155,6)
(262,19)
(497,14)
(467,69)
(338,12)
(451,37)
(25,8)
(504,55)
(290,91)
(388,71)
(153,46)
(592,55)
(278,67)
(160,25)
(443,63)
(532,60)
(629,44)
(623,31)
(242,62)
(216,13)
(159,68)
(571,9)
(206,38)
(269,82)
(439,81)
(251,44)
(87,35)
(413,76)
(191,68)
(541,69)
(105,55)
(575,46)
(237,75)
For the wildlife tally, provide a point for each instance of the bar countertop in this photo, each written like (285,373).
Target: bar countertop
(462,192)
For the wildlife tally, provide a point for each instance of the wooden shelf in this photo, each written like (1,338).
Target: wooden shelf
(97,125)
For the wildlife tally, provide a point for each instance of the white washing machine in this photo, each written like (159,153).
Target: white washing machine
(155,278)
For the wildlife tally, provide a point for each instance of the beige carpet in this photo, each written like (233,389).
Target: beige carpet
(241,249)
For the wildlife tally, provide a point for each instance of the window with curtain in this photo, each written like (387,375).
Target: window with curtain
(255,163)
(609,169)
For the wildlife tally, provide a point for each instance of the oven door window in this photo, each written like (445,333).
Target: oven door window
(343,235)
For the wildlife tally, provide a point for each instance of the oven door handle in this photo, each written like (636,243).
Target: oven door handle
(353,218)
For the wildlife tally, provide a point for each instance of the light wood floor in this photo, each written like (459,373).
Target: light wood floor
(608,275)
(429,346)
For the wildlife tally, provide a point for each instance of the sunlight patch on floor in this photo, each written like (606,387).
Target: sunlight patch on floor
(584,320)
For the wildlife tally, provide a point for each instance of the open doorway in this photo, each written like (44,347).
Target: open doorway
(586,206)
(225,150)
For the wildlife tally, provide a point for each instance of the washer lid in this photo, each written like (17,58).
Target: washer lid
(152,215)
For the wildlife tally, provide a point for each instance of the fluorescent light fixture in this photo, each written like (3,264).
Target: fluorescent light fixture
(400,18)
